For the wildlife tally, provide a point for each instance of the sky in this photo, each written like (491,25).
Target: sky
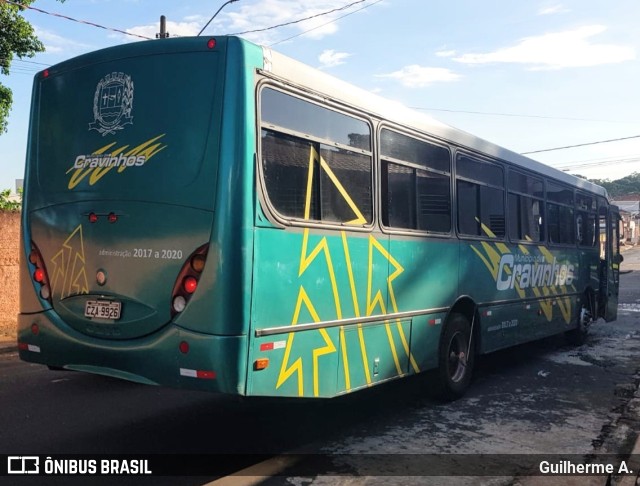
(528,75)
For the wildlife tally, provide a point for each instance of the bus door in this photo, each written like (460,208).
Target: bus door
(610,260)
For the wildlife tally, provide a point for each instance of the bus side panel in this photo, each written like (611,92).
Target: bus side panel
(423,276)
(307,276)
(367,360)
(29,300)
(231,250)
(301,364)
(496,275)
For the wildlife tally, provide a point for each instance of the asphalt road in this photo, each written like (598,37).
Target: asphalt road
(540,398)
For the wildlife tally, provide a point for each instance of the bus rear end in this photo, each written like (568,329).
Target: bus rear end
(122,253)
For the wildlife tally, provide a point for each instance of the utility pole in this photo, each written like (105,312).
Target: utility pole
(163,28)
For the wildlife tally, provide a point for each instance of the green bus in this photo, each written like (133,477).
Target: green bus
(206,213)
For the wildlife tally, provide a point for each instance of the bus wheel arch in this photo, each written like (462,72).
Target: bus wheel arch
(468,308)
(586,314)
(456,351)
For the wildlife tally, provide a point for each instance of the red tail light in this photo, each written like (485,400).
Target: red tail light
(190,284)
(187,280)
(39,273)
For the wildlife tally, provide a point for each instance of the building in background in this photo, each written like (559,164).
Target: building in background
(630,211)
(17,190)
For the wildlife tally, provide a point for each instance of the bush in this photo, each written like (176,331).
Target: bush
(7,204)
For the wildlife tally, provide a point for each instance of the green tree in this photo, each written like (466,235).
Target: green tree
(621,187)
(17,38)
(7,204)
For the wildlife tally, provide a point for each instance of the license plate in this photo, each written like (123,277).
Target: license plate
(102,309)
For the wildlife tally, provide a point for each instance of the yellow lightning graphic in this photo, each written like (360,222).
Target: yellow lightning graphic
(69,274)
(491,255)
(307,258)
(147,149)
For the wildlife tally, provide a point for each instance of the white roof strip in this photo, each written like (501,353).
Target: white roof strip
(330,88)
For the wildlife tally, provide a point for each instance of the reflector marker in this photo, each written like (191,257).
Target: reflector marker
(205,375)
(488,313)
(274,345)
(28,347)
(434,322)
(261,364)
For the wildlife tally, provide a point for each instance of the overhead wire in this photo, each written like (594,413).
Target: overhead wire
(327,23)
(93,24)
(284,24)
(25,61)
(86,22)
(517,115)
(19,66)
(587,164)
(581,145)
(25,70)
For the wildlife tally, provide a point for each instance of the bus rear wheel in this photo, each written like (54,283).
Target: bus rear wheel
(455,359)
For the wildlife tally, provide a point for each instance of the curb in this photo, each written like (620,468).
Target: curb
(634,459)
(8,347)
(634,465)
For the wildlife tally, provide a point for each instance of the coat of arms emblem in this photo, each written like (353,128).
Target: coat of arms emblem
(112,104)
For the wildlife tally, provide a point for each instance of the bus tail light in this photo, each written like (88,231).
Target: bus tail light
(39,273)
(190,284)
(188,278)
(179,303)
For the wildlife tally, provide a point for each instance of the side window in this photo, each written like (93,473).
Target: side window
(285,162)
(316,162)
(586,217)
(417,183)
(560,210)
(526,204)
(602,226)
(480,197)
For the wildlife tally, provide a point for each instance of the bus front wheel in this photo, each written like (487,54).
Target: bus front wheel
(578,336)
(456,358)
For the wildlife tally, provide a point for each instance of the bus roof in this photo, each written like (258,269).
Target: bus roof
(331,88)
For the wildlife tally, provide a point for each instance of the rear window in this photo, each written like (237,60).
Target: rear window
(136,127)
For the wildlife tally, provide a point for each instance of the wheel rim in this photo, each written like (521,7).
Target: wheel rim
(457,357)
(585,319)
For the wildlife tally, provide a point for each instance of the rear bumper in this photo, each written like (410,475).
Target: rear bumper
(212,363)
